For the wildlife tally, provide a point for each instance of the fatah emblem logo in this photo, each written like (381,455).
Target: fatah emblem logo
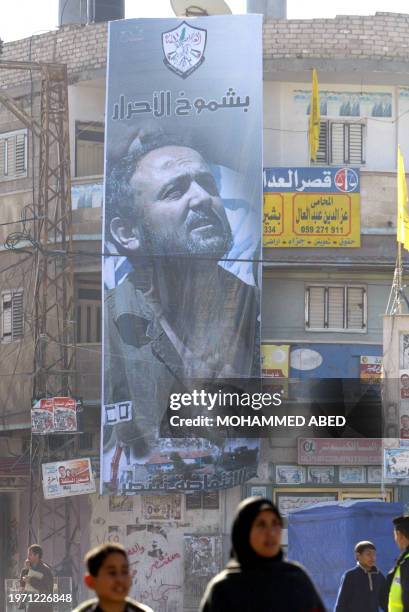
(184,49)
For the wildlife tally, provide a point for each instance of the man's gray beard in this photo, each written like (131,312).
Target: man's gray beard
(170,244)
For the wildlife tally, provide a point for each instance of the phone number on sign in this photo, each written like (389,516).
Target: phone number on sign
(321,229)
(39,598)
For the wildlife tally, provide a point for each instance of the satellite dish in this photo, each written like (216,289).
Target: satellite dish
(199,8)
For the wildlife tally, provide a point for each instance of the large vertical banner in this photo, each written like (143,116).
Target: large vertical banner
(182,219)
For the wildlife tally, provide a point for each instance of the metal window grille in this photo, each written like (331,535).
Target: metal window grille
(341,143)
(335,308)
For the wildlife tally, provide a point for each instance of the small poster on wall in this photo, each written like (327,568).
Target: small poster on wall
(290,474)
(66,478)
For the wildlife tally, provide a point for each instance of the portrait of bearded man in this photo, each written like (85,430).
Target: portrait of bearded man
(178,314)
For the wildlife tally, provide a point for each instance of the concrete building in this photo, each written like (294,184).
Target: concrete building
(176,542)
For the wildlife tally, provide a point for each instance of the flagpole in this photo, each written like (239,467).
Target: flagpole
(399,279)
(314,120)
(394,305)
(402,238)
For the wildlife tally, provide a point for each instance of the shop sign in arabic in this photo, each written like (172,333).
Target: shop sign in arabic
(347,451)
(311,207)
(311,180)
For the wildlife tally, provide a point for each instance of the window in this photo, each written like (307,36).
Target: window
(340,143)
(203,500)
(56,442)
(25,446)
(335,308)
(13,155)
(85,441)
(12,317)
(89,312)
(89,148)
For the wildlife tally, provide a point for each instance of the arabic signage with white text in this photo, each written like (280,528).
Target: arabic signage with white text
(311,207)
(333,451)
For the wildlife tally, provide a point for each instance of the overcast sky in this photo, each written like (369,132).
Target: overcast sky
(21,18)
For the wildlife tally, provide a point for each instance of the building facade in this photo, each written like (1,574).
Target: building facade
(323,305)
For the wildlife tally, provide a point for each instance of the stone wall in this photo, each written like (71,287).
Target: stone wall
(83,47)
(384,35)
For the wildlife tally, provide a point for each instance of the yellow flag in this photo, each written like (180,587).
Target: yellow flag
(315,118)
(402,226)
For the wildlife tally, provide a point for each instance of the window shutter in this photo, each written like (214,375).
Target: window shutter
(99,323)
(18,315)
(335,307)
(356,308)
(355,142)
(341,142)
(12,325)
(20,154)
(90,158)
(89,146)
(6,318)
(316,307)
(88,313)
(337,143)
(3,157)
(322,153)
(13,155)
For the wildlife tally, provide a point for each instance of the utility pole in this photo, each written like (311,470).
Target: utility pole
(53,522)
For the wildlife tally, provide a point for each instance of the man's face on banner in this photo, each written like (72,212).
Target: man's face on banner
(179,210)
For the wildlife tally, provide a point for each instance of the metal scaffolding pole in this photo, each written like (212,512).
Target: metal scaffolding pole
(54,332)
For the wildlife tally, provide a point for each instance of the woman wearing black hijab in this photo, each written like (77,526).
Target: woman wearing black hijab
(256,579)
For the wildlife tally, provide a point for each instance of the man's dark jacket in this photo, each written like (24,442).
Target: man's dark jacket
(362,591)
(42,581)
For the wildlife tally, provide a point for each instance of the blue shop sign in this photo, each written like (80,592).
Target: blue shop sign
(311,180)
